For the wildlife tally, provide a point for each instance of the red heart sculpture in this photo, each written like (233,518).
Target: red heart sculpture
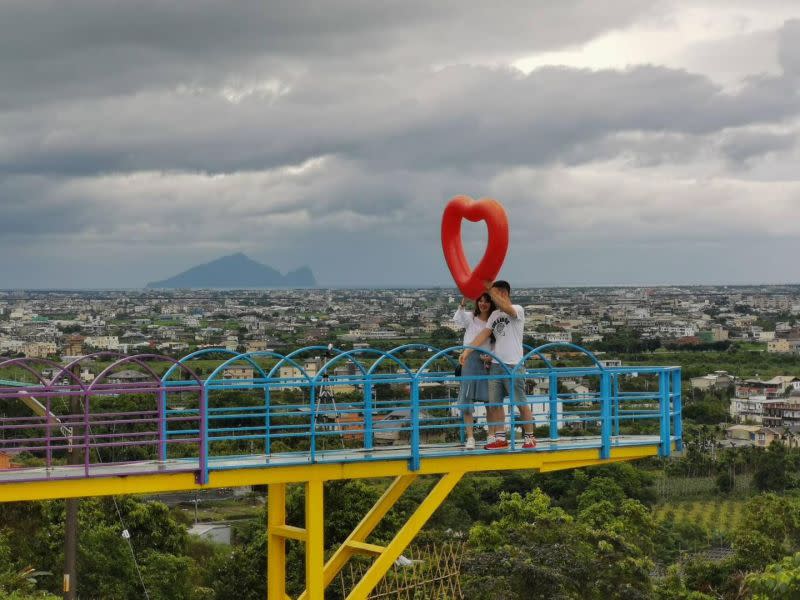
(486,209)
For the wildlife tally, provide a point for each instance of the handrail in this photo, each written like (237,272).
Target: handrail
(327,417)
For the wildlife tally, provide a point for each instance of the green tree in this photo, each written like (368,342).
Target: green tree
(769,530)
(673,587)
(167,576)
(717,579)
(773,468)
(779,581)
(621,529)
(443,337)
(18,581)
(107,564)
(724,482)
(526,553)
(537,550)
(238,573)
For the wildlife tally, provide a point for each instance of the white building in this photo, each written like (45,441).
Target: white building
(102,342)
(716,380)
(377,334)
(11,346)
(558,336)
(751,408)
(611,363)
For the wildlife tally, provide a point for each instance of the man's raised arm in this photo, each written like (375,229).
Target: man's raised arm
(500,301)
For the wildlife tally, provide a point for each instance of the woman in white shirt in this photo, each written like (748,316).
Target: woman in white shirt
(476,389)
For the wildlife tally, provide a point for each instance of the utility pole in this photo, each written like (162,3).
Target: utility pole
(70,548)
(71,508)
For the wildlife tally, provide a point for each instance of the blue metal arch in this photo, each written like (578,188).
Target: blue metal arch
(350,353)
(338,351)
(454,348)
(404,347)
(246,355)
(591,356)
(205,351)
(534,352)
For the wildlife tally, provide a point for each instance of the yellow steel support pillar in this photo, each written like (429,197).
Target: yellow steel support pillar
(313,535)
(392,552)
(276,542)
(355,542)
(315,542)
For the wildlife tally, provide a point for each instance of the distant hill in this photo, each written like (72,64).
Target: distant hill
(236,271)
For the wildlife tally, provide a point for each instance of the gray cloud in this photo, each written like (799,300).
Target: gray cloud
(740,146)
(93,47)
(456,117)
(149,136)
(789,48)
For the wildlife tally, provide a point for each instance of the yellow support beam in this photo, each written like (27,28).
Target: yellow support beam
(169,482)
(579,464)
(404,537)
(318,573)
(276,542)
(368,549)
(289,532)
(315,541)
(362,531)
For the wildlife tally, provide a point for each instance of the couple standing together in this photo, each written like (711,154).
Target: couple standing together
(496,325)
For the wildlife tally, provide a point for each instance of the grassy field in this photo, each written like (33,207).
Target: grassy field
(718,515)
(674,489)
(225,510)
(741,362)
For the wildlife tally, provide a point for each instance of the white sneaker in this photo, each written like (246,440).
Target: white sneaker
(470,444)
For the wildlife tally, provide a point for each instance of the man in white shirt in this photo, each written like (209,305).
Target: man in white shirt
(507,324)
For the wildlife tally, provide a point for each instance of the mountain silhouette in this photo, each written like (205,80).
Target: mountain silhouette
(236,271)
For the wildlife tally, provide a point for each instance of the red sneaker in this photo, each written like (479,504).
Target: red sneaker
(528,445)
(496,445)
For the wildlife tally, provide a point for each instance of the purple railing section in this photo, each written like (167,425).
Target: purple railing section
(61,442)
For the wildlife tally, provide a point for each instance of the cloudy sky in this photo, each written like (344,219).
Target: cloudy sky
(630,141)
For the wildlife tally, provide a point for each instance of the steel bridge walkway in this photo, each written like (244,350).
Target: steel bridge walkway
(188,434)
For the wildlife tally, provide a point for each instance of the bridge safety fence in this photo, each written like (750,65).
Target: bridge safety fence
(264,409)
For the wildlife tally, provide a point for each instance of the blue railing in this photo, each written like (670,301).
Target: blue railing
(359,405)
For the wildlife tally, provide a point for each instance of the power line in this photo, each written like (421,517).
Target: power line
(125,533)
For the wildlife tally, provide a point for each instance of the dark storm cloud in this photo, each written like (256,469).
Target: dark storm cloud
(301,130)
(401,115)
(50,50)
(456,117)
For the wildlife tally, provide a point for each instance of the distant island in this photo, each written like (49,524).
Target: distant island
(237,271)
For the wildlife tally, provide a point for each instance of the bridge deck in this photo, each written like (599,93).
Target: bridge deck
(228,471)
(364,413)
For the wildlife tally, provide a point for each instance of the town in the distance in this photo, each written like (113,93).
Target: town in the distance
(746,333)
